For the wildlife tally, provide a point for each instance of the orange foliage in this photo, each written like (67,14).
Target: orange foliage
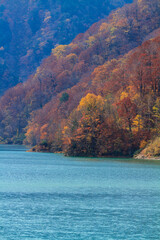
(97,75)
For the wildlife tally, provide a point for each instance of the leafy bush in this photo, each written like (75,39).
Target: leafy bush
(64,97)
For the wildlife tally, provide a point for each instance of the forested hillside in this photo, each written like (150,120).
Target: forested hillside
(98,95)
(30,29)
(113,112)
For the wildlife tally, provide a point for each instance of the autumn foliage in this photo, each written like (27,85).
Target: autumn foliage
(97,96)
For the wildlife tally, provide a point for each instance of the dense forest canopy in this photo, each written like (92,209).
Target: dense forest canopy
(30,29)
(96,96)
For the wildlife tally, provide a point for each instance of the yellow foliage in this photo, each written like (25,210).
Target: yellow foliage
(65,129)
(72,57)
(138,122)
(113,29)
(123,95)
(156,109)
(59,51)
(91,103)
(129,92)
(91,40)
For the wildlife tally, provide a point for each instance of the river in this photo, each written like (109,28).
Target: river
(52,197)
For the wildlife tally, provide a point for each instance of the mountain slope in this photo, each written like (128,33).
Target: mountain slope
(75,66)
(30,29)
(131,110)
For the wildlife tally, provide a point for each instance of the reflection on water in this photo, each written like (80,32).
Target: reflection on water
(5,147)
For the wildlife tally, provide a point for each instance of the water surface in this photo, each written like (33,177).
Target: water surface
(51,197)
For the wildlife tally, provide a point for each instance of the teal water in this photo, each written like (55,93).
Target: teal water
(48,196)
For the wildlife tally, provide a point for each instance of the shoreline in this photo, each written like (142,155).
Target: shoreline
(142,157)
(47,150)
(137,157)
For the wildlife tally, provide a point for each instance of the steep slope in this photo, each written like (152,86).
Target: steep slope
(30,29)
(72,66)
(120,116)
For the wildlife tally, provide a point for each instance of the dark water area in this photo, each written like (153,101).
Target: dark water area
(49,196)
